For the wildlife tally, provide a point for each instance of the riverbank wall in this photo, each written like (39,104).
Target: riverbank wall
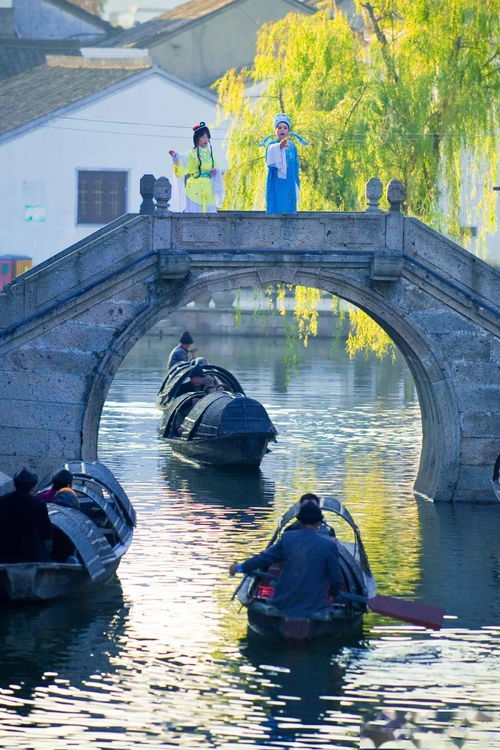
(225,314)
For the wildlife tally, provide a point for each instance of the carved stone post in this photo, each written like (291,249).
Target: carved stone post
(172,263)
(394,221)
(162,193)
(146,189)
(373,192)
(396,195)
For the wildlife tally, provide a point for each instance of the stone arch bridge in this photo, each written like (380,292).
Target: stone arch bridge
(66,325)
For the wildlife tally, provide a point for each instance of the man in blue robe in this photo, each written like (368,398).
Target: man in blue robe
(283,179)
(310,572)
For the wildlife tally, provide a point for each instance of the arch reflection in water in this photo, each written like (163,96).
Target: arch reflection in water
(69,639)
(464,539)
(233,487)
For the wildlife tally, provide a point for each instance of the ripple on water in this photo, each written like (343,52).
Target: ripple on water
(161,657)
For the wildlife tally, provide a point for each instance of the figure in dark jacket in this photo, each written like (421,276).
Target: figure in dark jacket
(25,528)
(180,353)
(324,527)
(310,572)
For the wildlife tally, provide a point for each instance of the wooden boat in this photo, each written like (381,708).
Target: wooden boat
(222,429)
(342,618)
(98,534)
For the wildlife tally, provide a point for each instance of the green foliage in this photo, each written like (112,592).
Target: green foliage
(405,98)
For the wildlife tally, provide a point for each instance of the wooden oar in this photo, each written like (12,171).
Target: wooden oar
(401,609)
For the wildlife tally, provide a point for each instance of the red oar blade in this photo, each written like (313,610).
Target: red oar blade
(414,612)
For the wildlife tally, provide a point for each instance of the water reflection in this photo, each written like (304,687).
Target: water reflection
(59,642)
(229,486)
(464,538)
(168,663)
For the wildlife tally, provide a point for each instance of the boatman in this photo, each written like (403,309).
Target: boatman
(310,572)
(181,352)
(25,528)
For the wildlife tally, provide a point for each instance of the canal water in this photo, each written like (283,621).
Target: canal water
(161,656)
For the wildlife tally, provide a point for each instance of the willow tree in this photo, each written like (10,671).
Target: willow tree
(412,94)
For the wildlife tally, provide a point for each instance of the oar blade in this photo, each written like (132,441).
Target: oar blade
(415,612)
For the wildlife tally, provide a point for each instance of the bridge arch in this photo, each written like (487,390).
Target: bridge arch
(437,475)
(66,325)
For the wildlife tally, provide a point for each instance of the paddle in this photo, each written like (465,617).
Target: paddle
(401,609)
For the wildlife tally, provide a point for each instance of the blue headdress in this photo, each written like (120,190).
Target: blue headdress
(282,117)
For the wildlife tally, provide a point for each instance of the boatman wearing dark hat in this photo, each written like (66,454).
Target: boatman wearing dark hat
(181,352)
(310,571)
(25,528)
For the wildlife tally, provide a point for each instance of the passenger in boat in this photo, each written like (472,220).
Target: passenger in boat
(61,491)
(310,571)
(196,381)
(325,528)
(180,353)
(65,494)
(25,528)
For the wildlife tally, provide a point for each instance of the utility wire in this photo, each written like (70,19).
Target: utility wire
(356,136)
(351,138)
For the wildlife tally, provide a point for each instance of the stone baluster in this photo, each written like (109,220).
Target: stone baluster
(373,192)
(146,189)
(162,194)
(396,195)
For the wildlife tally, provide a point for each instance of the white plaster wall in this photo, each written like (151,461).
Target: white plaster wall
(44,162)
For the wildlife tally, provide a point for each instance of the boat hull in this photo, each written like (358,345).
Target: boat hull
(273,627)
(224,450)
(88,541)
(32,582)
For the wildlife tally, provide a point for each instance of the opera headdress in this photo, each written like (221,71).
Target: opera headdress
(282,117)
(198,131)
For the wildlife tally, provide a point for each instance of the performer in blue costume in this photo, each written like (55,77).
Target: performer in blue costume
(282,159)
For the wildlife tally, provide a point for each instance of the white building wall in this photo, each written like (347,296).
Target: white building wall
(42,165)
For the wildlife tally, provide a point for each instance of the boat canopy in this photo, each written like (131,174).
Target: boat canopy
(176,376)
(335,506)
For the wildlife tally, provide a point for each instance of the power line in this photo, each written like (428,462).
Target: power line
(354,136)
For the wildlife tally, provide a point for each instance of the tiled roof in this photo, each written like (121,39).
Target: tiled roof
(63,81)
(149,32)
(18,55)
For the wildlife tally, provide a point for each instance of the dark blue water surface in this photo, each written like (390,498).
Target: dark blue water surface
(161,656)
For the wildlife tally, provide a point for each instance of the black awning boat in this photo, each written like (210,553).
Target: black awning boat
(343,617)
(221,428)
(95,536)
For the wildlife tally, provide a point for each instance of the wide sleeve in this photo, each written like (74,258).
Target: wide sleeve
(218,187)
(276,157)
(264,559)
(180,169)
